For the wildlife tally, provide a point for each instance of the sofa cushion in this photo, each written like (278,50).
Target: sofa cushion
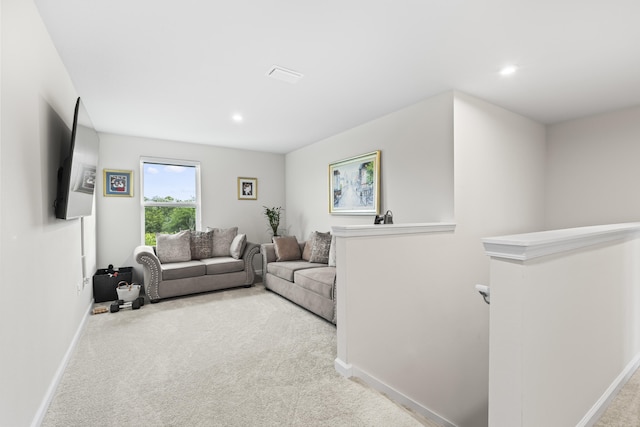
(222,239)
(306,253)
(317,280)
(221,265)
(237,245)
(332,252)
(287,248)
(174,247)
(285,270)
(201,244)
(182,270)
(320,246)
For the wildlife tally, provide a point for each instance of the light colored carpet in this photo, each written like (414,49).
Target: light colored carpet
(241,357)
(624,410)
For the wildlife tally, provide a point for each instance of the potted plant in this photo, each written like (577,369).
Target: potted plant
(273,216)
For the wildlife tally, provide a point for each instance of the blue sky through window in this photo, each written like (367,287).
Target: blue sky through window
(163,180)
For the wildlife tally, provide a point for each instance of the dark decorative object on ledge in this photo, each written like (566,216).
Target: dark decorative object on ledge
(388,217)
(273,215)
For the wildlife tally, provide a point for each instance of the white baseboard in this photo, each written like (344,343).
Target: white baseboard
(348,370)
(343,368)
(603,403)
(48,397)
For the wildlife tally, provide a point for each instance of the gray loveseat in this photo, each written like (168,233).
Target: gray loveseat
(293,275)
(215,259)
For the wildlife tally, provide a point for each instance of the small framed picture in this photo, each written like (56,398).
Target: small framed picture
(247,188)
(118,183)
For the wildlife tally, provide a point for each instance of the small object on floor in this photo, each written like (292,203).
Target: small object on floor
(100,310)
(120,304)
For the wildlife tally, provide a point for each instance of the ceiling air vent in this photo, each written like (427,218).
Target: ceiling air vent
(284,75)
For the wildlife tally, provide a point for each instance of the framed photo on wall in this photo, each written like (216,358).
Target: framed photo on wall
(247,188)
(354,185)
(118,183)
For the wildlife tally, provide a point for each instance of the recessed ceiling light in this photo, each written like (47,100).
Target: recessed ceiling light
(508,70)
(236,118)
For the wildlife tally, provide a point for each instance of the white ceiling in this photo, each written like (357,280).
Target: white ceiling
(179,70)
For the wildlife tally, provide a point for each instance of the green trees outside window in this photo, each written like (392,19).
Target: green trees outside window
(166,219)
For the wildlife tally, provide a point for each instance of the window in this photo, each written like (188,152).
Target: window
(170,197)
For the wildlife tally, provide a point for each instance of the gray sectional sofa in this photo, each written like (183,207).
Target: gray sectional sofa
(192,262)
(300,277)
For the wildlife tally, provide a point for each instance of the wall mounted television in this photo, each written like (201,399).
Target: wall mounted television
(77,175)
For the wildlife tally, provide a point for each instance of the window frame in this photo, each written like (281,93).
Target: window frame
(169,162)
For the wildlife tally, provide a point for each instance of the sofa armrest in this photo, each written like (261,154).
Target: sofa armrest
(250,250)
(152,273)
(268,251)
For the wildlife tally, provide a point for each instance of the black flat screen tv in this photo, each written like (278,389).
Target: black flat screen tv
(77,175)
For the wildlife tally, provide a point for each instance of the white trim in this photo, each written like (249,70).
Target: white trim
(399,397)
(391,229)
(169,161)
(57,377)
(523,247)
(343,368)
(607,397)
(141,201)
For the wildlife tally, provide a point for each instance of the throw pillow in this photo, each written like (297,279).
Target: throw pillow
(287,248)
(306,253)
(201,244)
(332,252)
(237,245)
(174,247)
(320,248)
(222,238)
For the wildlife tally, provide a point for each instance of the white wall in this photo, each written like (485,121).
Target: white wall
(499,189)
(119,219)
(499,170)
(414,321)
(416,168)
(42,307)
(593,171)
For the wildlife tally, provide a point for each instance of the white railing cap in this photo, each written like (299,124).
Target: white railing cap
(533,245)
(391,229)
